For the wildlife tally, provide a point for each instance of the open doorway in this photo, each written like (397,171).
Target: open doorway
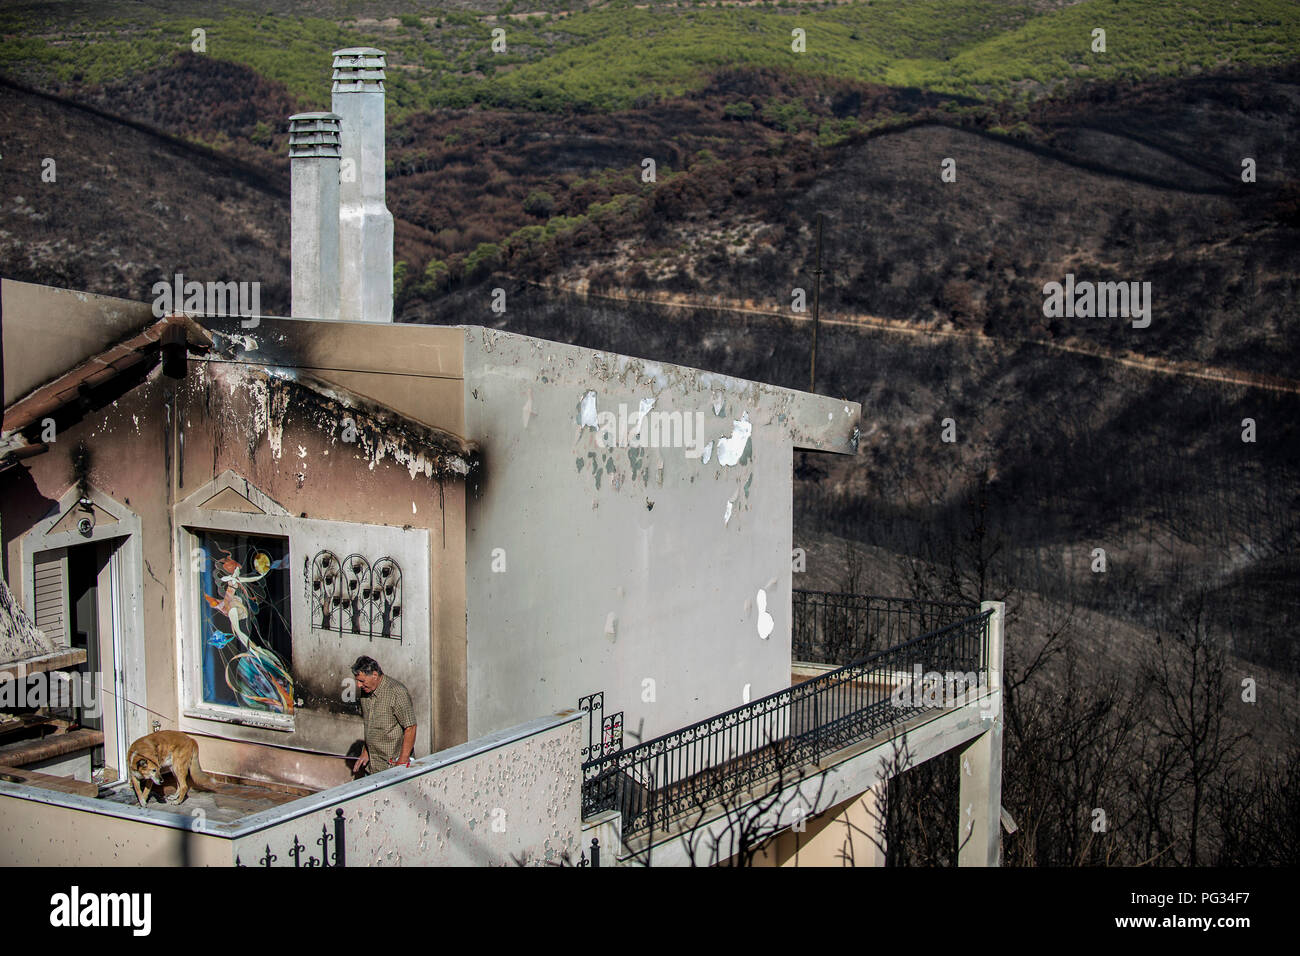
(86,564)
(79,601)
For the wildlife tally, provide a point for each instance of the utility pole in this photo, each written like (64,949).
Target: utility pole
(804,469)
(817,289)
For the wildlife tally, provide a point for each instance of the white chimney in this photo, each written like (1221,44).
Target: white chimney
(365,224)
(314,224)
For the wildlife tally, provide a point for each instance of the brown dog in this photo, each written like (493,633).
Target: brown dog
(167,750)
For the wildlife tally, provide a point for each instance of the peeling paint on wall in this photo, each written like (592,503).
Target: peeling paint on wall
(528,412)
(593,406)
(731,448)
(587,410)
(646,405)
(766,623)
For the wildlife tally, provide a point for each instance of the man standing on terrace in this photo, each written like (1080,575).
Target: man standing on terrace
(389,719)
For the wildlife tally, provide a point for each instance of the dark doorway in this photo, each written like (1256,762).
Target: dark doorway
(86,570)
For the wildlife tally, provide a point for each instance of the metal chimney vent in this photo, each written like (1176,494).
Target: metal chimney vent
(314,134)
(359,70)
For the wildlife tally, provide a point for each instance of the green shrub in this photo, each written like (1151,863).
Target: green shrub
(835,132)
(485,257)
(436,274)
(539,203)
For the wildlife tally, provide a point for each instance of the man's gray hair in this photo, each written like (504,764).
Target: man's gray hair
(366,665)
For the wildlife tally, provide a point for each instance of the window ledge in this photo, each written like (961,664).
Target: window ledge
(244,718)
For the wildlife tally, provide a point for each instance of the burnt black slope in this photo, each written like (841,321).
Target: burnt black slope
(130,205)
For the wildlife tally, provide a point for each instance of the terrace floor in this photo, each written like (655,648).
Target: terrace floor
(245,797)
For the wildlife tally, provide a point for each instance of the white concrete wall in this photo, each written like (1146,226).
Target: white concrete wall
(48,331)
(513,797)
(44,828)
(625,566)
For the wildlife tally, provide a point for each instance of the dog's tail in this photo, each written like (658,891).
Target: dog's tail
(202,781)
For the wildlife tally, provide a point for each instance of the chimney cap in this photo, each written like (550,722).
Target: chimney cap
(314,134)
(359,69)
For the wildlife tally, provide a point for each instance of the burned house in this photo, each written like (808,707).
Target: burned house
(564,554)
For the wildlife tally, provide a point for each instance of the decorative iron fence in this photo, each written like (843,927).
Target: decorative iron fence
(830,628)
(354,596)
(607,727)
(770,739)
(298,848)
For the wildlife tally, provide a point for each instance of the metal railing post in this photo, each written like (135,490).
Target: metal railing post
(340,853)
(994,631)
(817,728)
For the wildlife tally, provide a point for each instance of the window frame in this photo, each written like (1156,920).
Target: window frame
(307,726)
(198,702)
(191,678)
(191,519)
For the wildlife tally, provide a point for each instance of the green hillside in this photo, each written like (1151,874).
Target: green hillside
(618,55)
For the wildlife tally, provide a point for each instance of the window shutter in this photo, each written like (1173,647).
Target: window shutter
(51,594)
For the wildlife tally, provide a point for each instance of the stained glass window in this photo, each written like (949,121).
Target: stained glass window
(244,628)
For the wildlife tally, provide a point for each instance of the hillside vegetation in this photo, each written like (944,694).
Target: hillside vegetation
(616,55)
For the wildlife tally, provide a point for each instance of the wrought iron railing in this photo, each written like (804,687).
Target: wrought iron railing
(830,628)
(298,848)
(770,740)
(604,731)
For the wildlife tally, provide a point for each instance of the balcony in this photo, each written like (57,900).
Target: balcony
(869,672)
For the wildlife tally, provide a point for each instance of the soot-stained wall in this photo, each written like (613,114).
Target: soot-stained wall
(154,450)
(360,509)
